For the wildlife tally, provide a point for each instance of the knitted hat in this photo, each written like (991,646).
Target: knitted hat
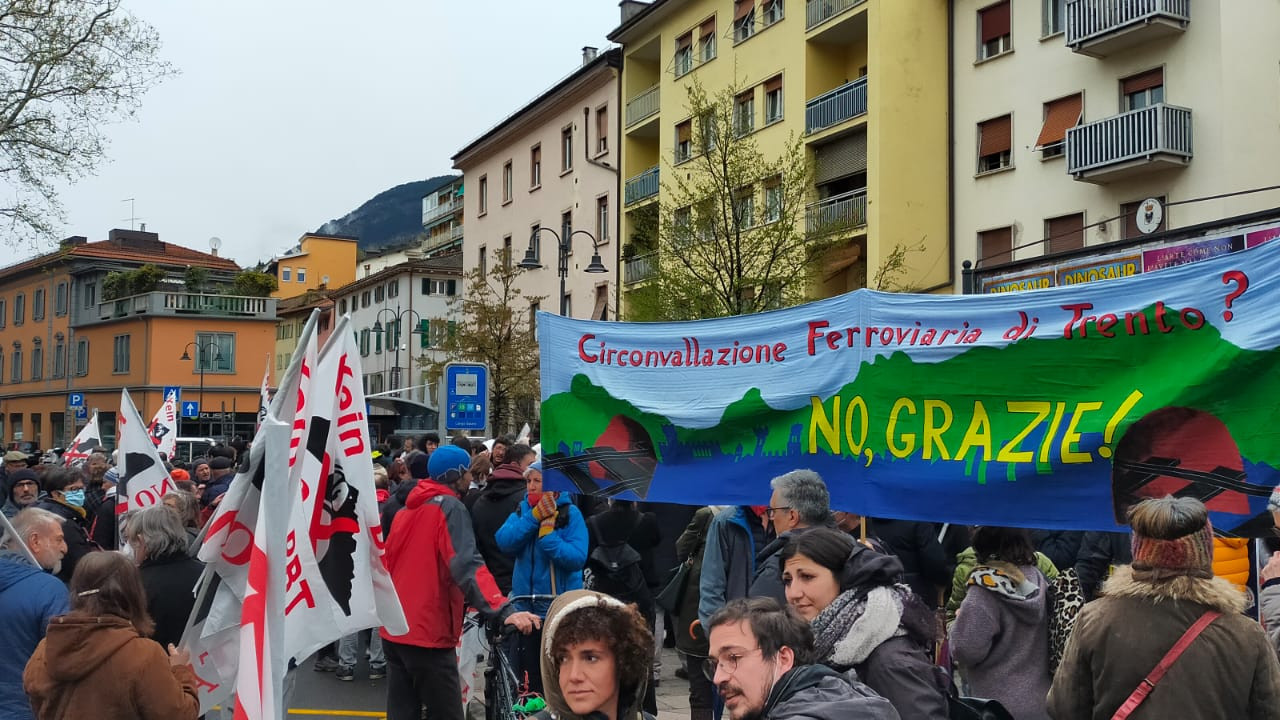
(112,476)
(1190,554)
(418,468)
(220,463)
(448,463)
(23,475)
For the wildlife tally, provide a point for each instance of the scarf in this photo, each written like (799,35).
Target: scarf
(852,626)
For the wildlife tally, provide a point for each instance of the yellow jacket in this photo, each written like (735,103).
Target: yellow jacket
(1231,561)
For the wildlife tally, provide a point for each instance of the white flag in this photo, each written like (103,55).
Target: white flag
(264,400)
(86,442)
(143,479)
(164,426)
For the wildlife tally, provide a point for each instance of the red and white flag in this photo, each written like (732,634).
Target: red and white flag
(143,479)
(264,400)
(164,426)
(89,439)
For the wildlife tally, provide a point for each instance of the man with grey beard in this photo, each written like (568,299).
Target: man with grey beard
(29,597)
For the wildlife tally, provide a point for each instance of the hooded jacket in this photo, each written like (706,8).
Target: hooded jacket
(432,557)
(816,692)
(99,667)
(562,553)
(692,640)
(395,503)
(492,506)
(1228,671)
(728,560)
(631,689)
(29,598)
(966,562)
(1001,638)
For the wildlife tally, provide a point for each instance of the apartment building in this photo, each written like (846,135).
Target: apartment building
(1085,127)
(546,174)
(441,221)
(291,316)
(317,261)
(69,327)
(864,82)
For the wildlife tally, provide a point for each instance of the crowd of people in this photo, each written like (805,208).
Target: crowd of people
(783,610)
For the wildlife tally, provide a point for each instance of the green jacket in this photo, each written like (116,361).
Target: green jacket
(966,562)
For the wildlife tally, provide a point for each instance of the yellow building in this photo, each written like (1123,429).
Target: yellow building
(291,316)
(327,261)
(864,82)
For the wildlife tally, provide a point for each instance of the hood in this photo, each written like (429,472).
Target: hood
(401,493)
(817,691)
(76,646)
(426,490)
(561,607)
(868,568)
(507,474)
(1217,593)
(499,489)
(14,568)
(1021,594)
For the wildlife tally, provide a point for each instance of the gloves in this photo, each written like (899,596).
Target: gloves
(546,508)
(547,526)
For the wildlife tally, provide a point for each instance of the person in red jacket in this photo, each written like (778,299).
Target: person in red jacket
(437,570)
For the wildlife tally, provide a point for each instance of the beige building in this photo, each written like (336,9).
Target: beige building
(551,164)
(1070,113)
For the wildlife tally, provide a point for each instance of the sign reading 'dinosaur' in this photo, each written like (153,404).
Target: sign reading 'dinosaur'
(1054,409)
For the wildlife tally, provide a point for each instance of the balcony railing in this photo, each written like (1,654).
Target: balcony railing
(640,267)
(441,239)
(1156,132)
(181,303)
(844,103)
(819,11)
(845,211)
(642,106)
(446,208)
(1092,21)
(642,186)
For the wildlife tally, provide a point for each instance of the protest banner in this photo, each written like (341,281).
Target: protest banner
(143,479)
(164,426)
(86,441)
(1054,408)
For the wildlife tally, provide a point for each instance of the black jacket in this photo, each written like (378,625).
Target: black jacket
(395,504)
(1099,552)
(170,582)
(492,507)
(1060,546)
(74,530)
(627,524)
(924,563)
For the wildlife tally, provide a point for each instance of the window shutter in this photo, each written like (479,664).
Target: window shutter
(451,287)
(995,246)
(424,333)
(994,21)
(1065,233)
(1145,81)
(1058,117)
(684,41)
(995,136)
(708,27)
(773,84)
(683,131)
(841,158)
(742,8)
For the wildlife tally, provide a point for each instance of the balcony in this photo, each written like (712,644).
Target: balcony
(443,210)
(642,106)
(1104,27)
(1139,141)
(182,304)
(640,268)
(642,186)
(830,109)
(836,214)
(443,239)
(817,12)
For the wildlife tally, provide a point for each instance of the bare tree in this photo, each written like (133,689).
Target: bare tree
(67,68)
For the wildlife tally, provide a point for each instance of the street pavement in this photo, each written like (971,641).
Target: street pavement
(321,695)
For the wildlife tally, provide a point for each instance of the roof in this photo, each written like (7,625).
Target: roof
(635,20)
(306,301)
(450,264)
(324,236)
(129,249)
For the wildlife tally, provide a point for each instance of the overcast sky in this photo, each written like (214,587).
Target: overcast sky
(288,113)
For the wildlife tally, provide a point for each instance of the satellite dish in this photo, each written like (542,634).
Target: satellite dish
(215,243)
(1149,215)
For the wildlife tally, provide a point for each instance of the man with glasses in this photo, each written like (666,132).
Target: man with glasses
(761,662)
(800,501)
(24,491)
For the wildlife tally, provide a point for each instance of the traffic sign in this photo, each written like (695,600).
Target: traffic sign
(466,396)
(176,390)
(190,409)
(75,400)
(82,412)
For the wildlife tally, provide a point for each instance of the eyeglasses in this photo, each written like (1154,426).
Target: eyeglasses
(728,661)
(769,511)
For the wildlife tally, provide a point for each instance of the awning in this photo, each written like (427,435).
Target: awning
(401,406)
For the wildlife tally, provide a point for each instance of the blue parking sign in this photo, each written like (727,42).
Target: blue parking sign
(75,399)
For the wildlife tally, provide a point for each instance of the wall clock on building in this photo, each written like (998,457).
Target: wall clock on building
(1149,215)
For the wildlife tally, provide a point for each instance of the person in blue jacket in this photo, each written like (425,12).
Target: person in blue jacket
(29,597)
(547,536)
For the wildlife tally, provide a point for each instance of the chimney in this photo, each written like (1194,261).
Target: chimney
(588,54)
(142,227)
(631,8)
(75,240)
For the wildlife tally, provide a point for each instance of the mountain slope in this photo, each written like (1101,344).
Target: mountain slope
(392,217)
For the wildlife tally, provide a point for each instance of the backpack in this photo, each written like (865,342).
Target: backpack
(615,569)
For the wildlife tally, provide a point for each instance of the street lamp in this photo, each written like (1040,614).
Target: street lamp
(201,350)
(398,314)
(530,261)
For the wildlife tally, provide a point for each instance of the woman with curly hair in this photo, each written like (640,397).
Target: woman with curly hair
(596,658)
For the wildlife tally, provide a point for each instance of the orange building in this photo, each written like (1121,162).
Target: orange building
(318,261)
(69,330)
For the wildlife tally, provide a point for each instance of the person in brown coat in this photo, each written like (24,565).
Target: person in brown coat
(1229,670)
(97,661)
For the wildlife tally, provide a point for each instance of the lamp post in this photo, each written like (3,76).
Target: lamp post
(530,261)
(201,350)
(378,328)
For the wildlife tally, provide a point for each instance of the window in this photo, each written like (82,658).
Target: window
(90,294)
(995,144)
(37,305)
(393,335)
(364,299)
(120,354)
(431,286)
(1,371)
(535,241)
(684,131)
(1130,213)
(393,289)
(566,149)
(1143,90)
(364,342)
(3,313)
(602,129)
(994,37)
(707,40)
(772,12)
(602,219)
(286,274)
(506,251)
(19,309)
(219,354)
(773,202)
(535,166)
(302,275)
(379,293)
(709,133)
(342,306)
(744,113)
(534,307)
(377,343)
(484,261)
(601,309)
(37,363)
(82,357)
(995,246)
(507,181)
(484,194)
(1064,233)
(567,303)
(60,300)
(682,219)
(15,364)
(744,19)
(773,100)
(566,227)
(1055,12)
(684,54)
(744,208)
(1059,116)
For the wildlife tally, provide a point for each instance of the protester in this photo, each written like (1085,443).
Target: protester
(24,492)
(691,637)
(596,658)
(761,655)
(1227,670)
(13,462)
(220,476)
(924,564)
(418,470)
(201,473)
(95,468)
(428,442)
(102,523)
(1099,552)
(729,559)
(498,453)
(432,557)
(967,561)
(65,488)
(349,645)
(98,661)
(1062,547)
(169,574)
(799,502)
(187,508)
(548,538)
(1001,635)
(407,446)
(864,618)
(494,504)
(624,524)
(29,598)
